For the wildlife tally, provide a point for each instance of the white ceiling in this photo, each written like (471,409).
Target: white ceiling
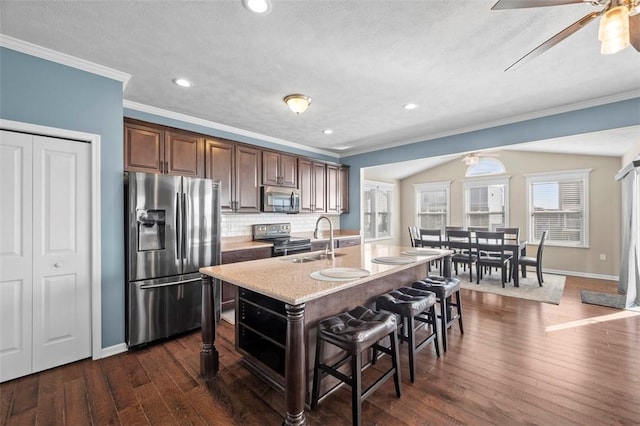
(359,61)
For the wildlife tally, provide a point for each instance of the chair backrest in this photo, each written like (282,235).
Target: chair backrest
(413,235)
(430,238)
(459,240)
(540,247)
(511,235)
(477,228)
(491,242)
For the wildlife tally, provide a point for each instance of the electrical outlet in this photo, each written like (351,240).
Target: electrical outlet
(603,257)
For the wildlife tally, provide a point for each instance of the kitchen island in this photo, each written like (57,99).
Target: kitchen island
(280,303)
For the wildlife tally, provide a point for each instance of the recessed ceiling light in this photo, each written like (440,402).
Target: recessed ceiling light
(257,6)
(327,131)
(410,106)
(182,82)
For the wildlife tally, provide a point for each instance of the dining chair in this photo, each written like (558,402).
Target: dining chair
(414,236)
(491,247)
(511,237)
(460,243)
(477,228)
(525,261)
(431,238)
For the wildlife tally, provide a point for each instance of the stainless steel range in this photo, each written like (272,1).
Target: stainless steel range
(280,235)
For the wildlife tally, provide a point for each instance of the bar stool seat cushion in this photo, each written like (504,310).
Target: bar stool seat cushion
(406,301)
(442,287)
(357,329)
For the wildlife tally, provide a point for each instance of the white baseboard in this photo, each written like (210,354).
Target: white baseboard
(581,274)
(113,350)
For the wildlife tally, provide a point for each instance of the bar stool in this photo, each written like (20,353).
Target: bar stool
(356,331)
(412,305)
(444,288)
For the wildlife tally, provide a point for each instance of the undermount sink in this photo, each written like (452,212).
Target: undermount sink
(311,258)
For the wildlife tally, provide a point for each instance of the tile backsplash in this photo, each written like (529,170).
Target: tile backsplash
(239,225)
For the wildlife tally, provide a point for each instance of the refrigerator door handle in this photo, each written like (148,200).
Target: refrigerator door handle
(184,226)
(178,227)
(146,286)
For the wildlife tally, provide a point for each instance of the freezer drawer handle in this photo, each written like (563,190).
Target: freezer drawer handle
(143,287)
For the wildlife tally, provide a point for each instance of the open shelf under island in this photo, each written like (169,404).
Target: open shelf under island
(279,306)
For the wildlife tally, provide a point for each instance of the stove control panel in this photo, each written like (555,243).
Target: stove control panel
(271,230)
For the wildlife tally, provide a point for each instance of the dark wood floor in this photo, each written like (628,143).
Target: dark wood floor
(505,370)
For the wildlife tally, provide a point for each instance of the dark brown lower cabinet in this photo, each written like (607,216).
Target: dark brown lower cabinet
(229,291)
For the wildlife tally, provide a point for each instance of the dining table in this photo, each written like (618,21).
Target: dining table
(516,248)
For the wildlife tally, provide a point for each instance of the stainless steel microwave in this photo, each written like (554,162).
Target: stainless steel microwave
(281,200)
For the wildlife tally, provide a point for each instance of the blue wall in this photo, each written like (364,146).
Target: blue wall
(36,91)
(593,119)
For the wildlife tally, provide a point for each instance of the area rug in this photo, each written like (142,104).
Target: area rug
(550,292)
(610,300)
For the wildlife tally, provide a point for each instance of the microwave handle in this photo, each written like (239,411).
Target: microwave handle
(292,200)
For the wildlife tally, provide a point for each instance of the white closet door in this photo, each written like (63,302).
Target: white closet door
(61,252)
(15,254)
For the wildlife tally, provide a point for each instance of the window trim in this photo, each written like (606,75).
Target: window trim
(481,182)
(372,184)
(432,186)
(563,175)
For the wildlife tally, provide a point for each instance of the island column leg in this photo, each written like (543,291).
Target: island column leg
(209,353)
(446,267)
(295,372)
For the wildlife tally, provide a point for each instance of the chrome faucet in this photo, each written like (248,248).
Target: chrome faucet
(315,234)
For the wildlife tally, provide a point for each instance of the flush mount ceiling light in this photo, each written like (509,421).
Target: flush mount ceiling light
(182,82)
(410,106)
(257,6)
(297,103)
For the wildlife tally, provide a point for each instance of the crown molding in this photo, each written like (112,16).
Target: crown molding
(219,126)
(508,120)
(64,59)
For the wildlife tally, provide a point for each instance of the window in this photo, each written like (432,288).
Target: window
(485,166)
(486,202)
(378,201)
(432,205)
(557,202)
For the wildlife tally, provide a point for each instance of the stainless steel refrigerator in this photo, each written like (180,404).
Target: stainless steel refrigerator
(172,229)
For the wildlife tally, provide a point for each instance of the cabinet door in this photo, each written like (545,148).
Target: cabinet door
(220,161)
(288,170)
(344,189)
(248,172)
(143,149)
(333,189)
(306,189)
(270,168)
(319,187)
(183,155)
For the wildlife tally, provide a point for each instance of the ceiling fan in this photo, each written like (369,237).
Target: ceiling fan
(473,158)
(619,26)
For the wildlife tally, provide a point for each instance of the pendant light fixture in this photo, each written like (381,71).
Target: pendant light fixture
(297,103)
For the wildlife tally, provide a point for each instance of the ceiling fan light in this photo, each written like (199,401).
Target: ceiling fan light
(614,30)
(297,103)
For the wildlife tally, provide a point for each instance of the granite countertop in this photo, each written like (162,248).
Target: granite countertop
(242,245)
(291,283)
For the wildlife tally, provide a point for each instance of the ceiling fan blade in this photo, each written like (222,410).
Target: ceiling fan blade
(634,31)
(521,4)
(556,38)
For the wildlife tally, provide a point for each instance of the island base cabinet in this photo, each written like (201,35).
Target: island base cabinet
(261,333)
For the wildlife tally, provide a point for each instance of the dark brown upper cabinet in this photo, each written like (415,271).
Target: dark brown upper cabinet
(279,169)
(312,180)
(337,189)
(238,168)
(157,150)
